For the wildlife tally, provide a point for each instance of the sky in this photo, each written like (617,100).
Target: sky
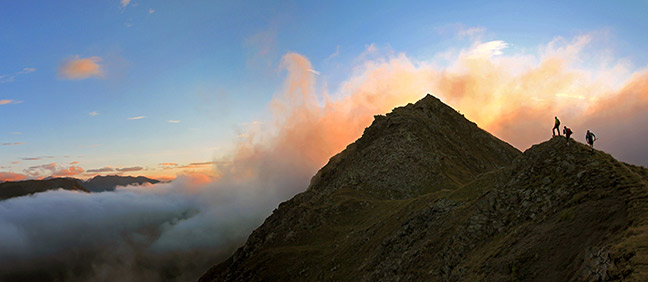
(169,88)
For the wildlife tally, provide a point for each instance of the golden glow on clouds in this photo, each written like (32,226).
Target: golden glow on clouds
(81,68)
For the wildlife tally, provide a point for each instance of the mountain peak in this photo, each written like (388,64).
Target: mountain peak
(426,195)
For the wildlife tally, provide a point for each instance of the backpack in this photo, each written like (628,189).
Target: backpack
(569,131)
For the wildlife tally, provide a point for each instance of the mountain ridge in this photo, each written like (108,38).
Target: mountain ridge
(10,189)
(478,210)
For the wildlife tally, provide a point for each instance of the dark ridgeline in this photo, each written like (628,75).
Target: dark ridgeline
(12,189)
(426,195)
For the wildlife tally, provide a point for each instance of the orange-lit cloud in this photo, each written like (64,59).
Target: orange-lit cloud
(10,176)
(81,68)
(67,171)
(168,164)
(12,144)
(5,102)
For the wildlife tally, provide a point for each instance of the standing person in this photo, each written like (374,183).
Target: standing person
(556,127)
(568,132)
(590,138)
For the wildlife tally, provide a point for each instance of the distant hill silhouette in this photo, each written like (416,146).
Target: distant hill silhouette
(12,189)
(110,182)
(426,195)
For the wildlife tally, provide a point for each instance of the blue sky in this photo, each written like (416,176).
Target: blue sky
(213,66)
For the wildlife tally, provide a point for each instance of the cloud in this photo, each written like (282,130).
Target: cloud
(52,169)
(99,170)
(127,169)
(334,54)
(27,70)
(93,114)
(168,164)
(36,158)
(67,171)
(5,102)
(6,78)
(262,47)
(12,144)
(313,71)
(81,68)
(151,11)
(173,121)
(488,49)
(10,176)
(124,3)
(15,133)
(73,163)
(471,32)
(138,117)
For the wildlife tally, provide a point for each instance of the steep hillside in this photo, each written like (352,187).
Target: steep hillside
(12,189)
(425,195)
(110,182)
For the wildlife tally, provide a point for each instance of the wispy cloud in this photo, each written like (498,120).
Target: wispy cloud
(27,70)
(124,3)
(314,71)
(53,169)
(36,158)
(6,78)
(335,54)
(133,168)
(173,121)
(99,170)
(6,102)
(81,68)
(74,162)
(138,117)
(93,114)
(168,164)
(15,133)
(12,144)
(151,11)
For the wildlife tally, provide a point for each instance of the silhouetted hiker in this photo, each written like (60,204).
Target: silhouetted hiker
(556,127)
(567,132)
(590,138)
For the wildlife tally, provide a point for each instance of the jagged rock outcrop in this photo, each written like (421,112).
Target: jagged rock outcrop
(425,195)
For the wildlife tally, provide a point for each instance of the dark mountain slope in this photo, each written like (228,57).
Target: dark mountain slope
(12,189)
(388,208)
(110,182)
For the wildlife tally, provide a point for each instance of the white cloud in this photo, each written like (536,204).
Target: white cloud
(314,71)
(27,70)
(138,117)
(173,121)
(93,114)
(125,3)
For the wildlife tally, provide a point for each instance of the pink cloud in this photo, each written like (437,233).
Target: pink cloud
(81,68)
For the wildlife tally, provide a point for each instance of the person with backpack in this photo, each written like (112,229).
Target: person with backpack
(590,138)
(556,127)
(568,132)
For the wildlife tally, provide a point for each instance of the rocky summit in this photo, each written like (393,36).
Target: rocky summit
(426,195)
